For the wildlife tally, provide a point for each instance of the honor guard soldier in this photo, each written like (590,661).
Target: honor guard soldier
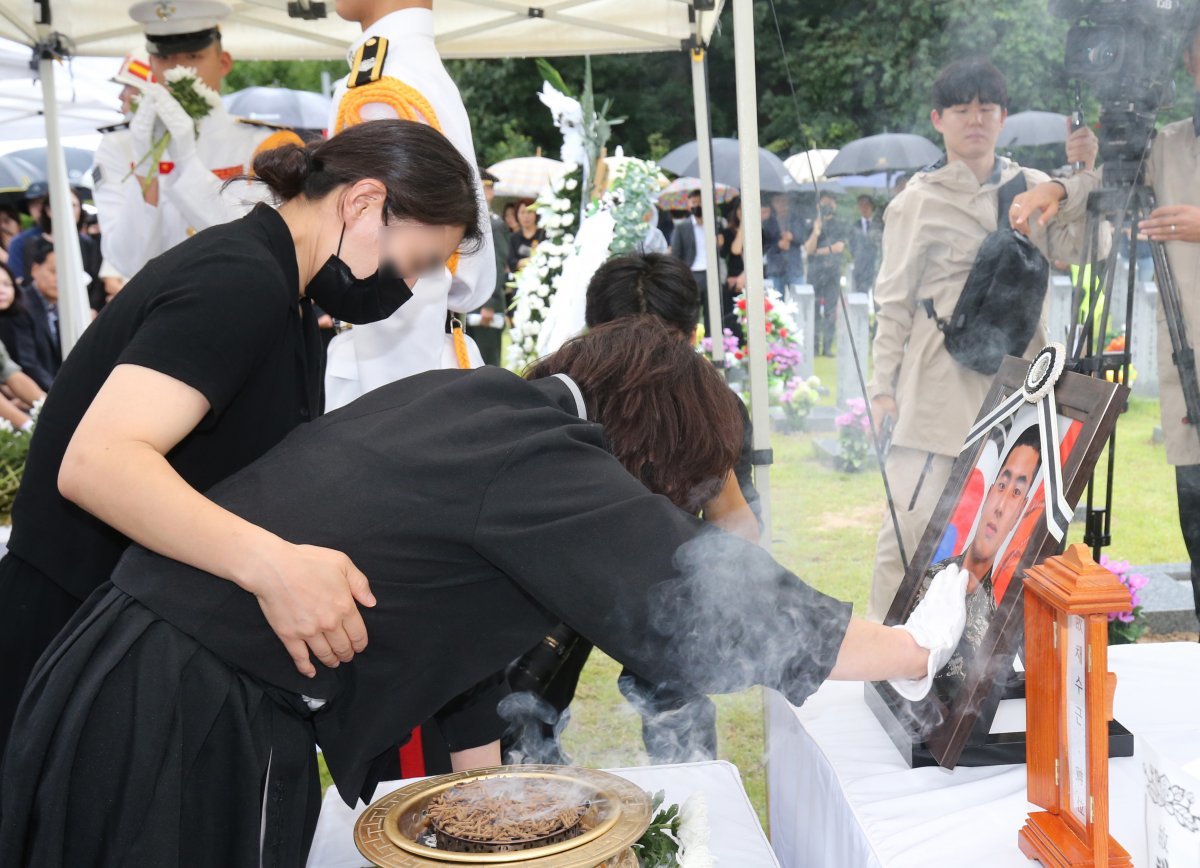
(141,216)
(396,72)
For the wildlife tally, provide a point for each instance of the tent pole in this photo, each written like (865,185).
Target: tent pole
(756,338)
(713,328)
(73,306)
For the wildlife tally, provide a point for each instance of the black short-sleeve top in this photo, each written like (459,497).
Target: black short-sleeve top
(219,312)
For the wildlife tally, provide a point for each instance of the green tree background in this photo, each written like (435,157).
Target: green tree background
(859,67)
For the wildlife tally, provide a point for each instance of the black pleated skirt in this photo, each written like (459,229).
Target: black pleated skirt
(136,746)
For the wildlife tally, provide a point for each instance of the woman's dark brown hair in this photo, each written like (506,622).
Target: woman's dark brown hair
(668,416)
(427,179)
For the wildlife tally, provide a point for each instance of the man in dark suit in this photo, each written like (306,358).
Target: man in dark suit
(38,349)
(687,244)
(866,236)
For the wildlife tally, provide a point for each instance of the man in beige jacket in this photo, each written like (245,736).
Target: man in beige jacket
(932,233)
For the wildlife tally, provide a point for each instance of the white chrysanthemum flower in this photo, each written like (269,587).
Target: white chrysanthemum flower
(179,73)
(6,426)
(209,95)
(543,291)
(694,832)
(534,328)
(528,345)
(566,219)
(697,857)
(572,184)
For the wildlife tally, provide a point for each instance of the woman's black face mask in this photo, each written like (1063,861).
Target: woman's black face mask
(357,300)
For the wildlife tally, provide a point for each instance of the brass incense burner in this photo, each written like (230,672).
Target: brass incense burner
(395,831)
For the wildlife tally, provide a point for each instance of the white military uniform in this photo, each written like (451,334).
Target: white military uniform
(410,82)
(190,194)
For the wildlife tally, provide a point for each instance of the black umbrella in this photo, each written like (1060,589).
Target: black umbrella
(1033,128)
(773,176)
(300,109)
(886,152)
(79,164)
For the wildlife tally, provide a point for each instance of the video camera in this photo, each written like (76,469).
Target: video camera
(1125,51)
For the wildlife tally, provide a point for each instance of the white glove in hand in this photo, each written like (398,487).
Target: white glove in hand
(937,625)
(141,130)
(178,122)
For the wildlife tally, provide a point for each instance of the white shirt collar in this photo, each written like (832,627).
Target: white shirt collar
(580,407)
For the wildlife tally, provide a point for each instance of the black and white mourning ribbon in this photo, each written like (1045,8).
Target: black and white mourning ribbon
(1038,388)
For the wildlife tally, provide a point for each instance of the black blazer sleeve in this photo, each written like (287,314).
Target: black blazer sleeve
(673,599)
(25,336)
(683,242)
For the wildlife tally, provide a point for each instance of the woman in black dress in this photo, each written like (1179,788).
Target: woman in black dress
(205,360)
(528,236)
(167,725)
(731,244)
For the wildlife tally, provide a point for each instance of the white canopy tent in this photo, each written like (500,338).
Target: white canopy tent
(264,30)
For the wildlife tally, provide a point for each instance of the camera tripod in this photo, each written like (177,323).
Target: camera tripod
(1085,350)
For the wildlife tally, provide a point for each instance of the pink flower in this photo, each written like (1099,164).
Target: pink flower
(1133,581)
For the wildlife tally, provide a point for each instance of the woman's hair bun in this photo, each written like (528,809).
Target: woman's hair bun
(284,169)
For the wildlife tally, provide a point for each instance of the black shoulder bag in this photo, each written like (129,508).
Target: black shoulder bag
(1001,302)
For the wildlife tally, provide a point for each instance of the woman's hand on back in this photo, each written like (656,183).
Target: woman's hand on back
(310,597)
(116,468)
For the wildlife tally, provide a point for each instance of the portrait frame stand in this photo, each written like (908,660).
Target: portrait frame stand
(953,727)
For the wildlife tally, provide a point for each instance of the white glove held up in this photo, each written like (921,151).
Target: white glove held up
(178,122)
(141,130)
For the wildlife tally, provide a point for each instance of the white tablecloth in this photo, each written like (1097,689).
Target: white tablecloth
(737,838)
(840,795)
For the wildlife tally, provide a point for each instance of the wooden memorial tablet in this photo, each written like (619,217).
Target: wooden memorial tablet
(1069,702)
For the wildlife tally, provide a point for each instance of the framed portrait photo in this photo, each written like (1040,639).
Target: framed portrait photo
(991,521)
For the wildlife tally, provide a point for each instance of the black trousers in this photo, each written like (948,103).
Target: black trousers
(488,340)
(33,609)
(825,299)
(1187,488)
